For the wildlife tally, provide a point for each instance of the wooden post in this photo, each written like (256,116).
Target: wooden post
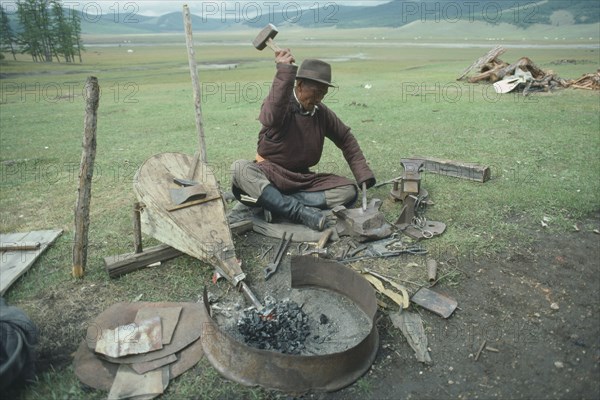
(189,41)
(137,228)
(86,170)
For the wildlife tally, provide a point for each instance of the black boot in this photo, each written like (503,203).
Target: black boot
(286,206)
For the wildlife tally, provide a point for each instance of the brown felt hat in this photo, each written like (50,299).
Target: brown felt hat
(315,70)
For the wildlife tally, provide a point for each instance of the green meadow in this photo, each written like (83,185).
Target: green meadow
(400,99)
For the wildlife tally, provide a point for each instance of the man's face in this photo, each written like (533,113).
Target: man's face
(310,93)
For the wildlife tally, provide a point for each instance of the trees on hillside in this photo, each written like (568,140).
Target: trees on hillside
(7,38)
(46,31)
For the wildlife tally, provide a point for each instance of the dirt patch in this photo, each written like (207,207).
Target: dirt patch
(538,307)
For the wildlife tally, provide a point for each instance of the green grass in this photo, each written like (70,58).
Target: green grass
(544,152)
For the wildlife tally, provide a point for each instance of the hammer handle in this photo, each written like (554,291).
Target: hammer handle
(272,45)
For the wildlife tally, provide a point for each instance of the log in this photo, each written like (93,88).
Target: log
(86,171)
(487,58)
(125,263)
(492,75)
(457,169)
(240,227)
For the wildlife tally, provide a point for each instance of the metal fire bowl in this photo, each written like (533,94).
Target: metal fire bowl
(298,373)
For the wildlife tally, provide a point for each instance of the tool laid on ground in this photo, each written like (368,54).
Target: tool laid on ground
(19,246)
(383,249)
(281,249)
(304,249)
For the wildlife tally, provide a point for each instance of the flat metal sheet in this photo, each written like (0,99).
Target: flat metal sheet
(99,373)
(188,329)
(169,317)
(128,383)
(435,302)
(137,338)
(142,368)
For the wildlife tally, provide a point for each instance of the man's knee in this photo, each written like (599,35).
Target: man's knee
(248,177)
(342,195)
(238,169)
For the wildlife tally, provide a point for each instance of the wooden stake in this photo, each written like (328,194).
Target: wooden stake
(137,228)
(189,41)
(86,171)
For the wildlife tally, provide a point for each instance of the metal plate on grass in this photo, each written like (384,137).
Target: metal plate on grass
(99,374)
(188,328)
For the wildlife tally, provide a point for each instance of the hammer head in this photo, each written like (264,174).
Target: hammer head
(269,32)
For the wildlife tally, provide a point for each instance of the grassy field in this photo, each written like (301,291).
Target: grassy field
(543,150)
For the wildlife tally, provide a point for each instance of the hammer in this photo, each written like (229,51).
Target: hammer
(265,38)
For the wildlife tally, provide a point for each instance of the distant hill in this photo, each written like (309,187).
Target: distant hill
(395,14)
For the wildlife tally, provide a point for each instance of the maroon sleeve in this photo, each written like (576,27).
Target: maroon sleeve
(275,105)
(342,136)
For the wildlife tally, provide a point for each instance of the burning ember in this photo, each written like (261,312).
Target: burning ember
(284,327)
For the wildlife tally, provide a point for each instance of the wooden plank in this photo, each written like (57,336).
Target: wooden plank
(457,169)
(14,263)
(241,227)
(125,263)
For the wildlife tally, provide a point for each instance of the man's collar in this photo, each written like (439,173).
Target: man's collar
(302,110)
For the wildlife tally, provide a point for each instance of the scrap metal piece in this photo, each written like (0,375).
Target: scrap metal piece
(427,231)
(435,302)
(299,373)
(411,326)
(431,270)
(98,373)
(135,338)
(128,383)
(142,368)
(363,225)
(169,316)
(188,328)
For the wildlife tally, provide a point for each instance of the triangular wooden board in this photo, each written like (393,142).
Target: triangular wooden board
(14,263)
(200,230)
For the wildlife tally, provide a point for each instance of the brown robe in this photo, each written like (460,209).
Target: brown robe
(291,143)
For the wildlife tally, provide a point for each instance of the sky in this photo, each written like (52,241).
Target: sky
(213,7)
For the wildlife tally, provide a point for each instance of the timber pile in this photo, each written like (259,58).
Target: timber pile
(587,81)
(492,69)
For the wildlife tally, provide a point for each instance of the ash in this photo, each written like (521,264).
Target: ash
(284,327)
